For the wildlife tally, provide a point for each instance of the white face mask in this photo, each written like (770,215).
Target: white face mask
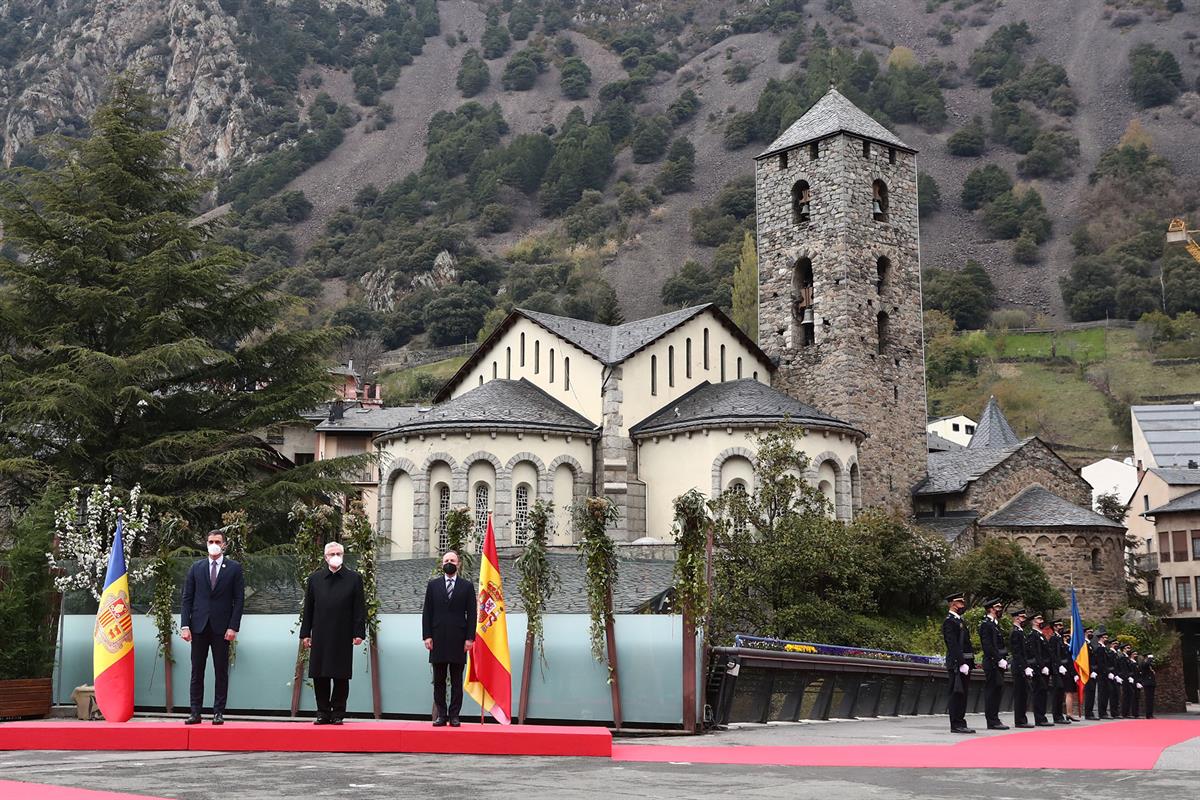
(214,549)
(335,561)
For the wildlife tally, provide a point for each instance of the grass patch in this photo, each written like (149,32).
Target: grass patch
(1085,346)
(418,384)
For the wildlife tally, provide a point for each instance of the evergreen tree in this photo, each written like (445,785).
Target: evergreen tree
(574,78)
(473,75)
(745,289)
(132,349)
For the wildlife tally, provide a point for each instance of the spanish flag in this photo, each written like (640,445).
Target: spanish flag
(1079,651)
(112,640)
(489,669)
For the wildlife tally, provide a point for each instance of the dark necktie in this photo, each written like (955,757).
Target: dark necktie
(212,576)
(449,589)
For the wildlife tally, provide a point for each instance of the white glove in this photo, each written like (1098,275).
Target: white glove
(964,669)
(1045,670)
(1120,679)
(1139,686)
(1062,670)
(1076,678)
(1004,663)
(1093,676)
(1110,676)
(1029,672)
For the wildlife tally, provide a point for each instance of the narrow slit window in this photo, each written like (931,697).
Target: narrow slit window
(508,363)
(537,357)
(739,368)
(687,358)
(705,348)
(783,160)
(552,365)
(814,151)
(566,374)
(671,365)
(866,149)
(653,376)
(891,155)
(722,363)
(521,356)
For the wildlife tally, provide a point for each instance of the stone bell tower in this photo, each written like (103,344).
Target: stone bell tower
(840,286)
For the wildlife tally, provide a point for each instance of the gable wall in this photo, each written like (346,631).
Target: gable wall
(1033,463)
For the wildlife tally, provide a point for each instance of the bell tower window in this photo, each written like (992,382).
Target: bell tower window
(801,202)
(883,270)
(802,301)
(879,201)
(881,328)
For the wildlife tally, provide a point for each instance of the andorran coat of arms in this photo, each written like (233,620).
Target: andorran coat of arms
(114,624)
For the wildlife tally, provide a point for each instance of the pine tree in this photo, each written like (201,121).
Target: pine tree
(745,289)
(131,348)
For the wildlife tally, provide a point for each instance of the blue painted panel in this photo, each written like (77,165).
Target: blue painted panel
(568,686)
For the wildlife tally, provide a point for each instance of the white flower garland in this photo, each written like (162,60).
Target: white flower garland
(85,530)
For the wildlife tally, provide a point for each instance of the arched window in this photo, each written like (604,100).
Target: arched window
(671,365)
(566,374)
(687,358)
(881,329)
(521,516)
(495,371)
(879,201)
(508,363)
(521,356)
(537,357)
(883,270)
(705,348)
(552,365)
(1097,565)
(801,202)
(481,380)
(802,301)
(739,367)
(443,510)
(653,376)
(738,510)
(722,363)
(483,495)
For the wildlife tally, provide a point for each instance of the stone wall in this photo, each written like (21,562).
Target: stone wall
(844,371)
(1170,696)
(1067,556)
(1033,463)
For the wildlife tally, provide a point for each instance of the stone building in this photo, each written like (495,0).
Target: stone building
(840,284)
(557,409)
(1019,489)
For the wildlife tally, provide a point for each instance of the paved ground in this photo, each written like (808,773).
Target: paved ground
(219,776)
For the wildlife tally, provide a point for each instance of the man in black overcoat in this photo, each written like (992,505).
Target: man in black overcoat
(1037,654)
(995,662)
(960,657)
(214,593)
(334,623)
(1022,672)
(448,627)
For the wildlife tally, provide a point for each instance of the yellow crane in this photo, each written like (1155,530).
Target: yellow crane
(1178,231)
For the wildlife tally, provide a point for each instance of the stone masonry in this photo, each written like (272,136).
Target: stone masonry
(846,371)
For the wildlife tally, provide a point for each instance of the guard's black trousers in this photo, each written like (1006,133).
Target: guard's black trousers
(1103,685)
(1089,698)
(331,696)
(1114,699)
(1020,698)
(1149,690)
(1039,699)
(957,707)
(1059,698)
(456,689)
(1127,692)
(992,689)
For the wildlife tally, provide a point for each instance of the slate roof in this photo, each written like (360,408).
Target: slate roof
(402,586)
(517,405)
(993,429)
(1178,476)
(832,114)
(951,471)
(369,420)
(939,444)
(1038,507)
(741,402)
(949,527)
(1171,431)
(1187,502)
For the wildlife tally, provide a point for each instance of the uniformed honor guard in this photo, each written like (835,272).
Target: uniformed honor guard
(1127,690)
(1136,677)
(1114,667)
(1148,681)
(1037,654)
(1089,689)
(995,662)
(1021,671)
(1102,666)
(1059,658)
(960,657)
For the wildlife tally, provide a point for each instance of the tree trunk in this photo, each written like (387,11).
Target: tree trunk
(376,698)
(689,673)
(167,664)
(610,636)
(526,671)
(298,679)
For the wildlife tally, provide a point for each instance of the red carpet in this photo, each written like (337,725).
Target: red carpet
(1128,744)
(353,737)
(19,790)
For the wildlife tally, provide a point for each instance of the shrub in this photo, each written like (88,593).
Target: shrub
(999,58)
(968,140)
(574,79)
(967,295)
(683,108)
(522,70)
(1155,78)
(650,137)
(495,218)
(739,131)
(677,173)
(1053,156)
(1025,251)
(929,196)
(983,185)
(1014,126)
(495,42)
(1002,217)
(521,22)
(473,75)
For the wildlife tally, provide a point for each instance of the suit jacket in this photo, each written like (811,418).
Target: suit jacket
(449,621)
(991,640)
(219,606)
(1033,652)
(1016,648)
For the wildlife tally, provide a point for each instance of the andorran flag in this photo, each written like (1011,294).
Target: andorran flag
(112,640)
(1079,651)
(489,669)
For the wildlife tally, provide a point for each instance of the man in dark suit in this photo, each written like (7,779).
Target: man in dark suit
(1021,671)
(960,657)
(995,662)
(448,619)
(334,622)
(210,616)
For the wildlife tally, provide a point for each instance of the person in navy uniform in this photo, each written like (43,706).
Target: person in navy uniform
(995,662)
(1148,681)
(1060,659)
(1127,689)
(1037,653)
(1022,672)
(1089,689)
(960,658)
(1102,666)
(1135,676)
(448,619)
(1114,667)
(334,622)
(210,616)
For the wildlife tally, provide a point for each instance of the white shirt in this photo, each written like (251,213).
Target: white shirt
(220,562)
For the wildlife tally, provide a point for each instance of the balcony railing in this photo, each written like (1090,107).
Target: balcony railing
(365,476)
(1146,562)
